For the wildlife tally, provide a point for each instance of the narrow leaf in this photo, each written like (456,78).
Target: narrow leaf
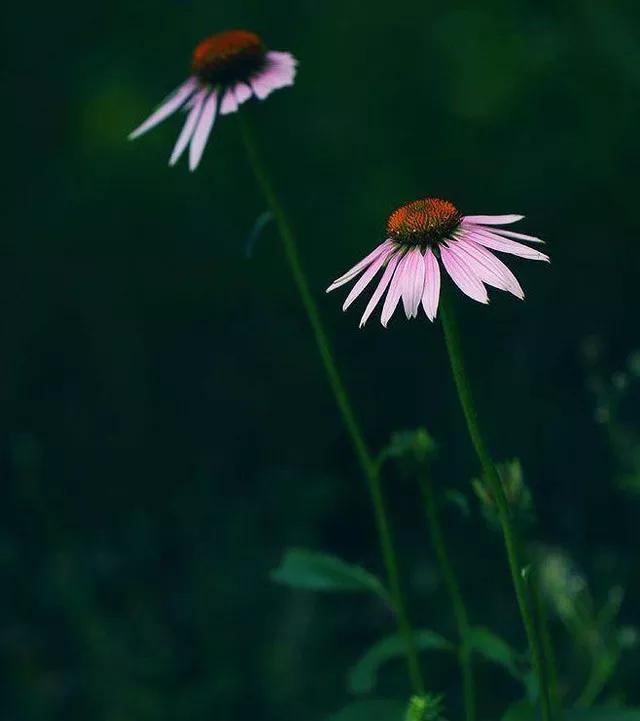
(321,572)
(262,221)
(495,649)
(521,711)
(363,676)
(604,713)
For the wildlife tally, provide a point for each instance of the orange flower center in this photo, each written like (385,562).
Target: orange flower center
(226,58)
(423,222)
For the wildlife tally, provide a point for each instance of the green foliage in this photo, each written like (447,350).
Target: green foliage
(613,392)
(378,710)
(520,711)
(412,446)
(459,500)
(256,231)
(497,650)
(523,711)
(604,713)
(425,708)
(517,493)
(363,676)
(316,571)
(593,629)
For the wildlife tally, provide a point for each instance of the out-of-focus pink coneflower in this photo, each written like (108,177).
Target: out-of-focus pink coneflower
(226,70)
(425,233)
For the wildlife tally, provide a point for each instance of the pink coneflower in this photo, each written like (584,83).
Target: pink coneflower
(424,233)
(227,69)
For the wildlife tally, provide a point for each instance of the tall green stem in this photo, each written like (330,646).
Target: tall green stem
(453,589)
(368,464)
(547,646)
(452,339)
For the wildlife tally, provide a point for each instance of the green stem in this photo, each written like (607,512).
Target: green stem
(591,691)
(453,589)
(508,530)
(550,663)
(369,466)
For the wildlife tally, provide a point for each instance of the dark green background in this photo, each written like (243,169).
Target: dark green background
(166,428)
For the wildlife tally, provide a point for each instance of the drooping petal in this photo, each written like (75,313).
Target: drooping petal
(261,88)
(229,103)
(169,106)
(365,279)
(282,66)
(395,291)
(189,126)
(431,292)
(519,236)
(487,267)
(504,245)
(379,291)
(385,247)
(413,283)
(201,133)
(275,75)
(280,58)
(242,92)
(463,276)
(492,219)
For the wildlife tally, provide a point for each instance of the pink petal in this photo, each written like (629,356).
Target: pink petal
(520,236)
(189,126)
(365,279)
(229,103)
(242,92)
(490,240)
(284,59)
(431,293)
(492,219)
(175,100)
(395,291)
(201,134)
(274,76)
(379,291)
(487,267)
(385,247)
(260,88)
(463,276)
(413,284)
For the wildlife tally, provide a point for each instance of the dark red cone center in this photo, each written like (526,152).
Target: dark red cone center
(423,222)
(228,57)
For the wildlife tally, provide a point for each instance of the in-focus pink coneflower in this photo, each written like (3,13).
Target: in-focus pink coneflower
(425,233)
(226,70)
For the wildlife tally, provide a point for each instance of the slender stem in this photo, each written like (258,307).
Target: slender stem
(368,464)
(508,530)
(592,689)
(453,589)
(547,646)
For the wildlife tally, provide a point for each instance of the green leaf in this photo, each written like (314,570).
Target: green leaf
(321,572)
(459,500)
(604,713)
(261,222)
(523,711)
(495,649)
(425,707)
(372,711)
(363,676)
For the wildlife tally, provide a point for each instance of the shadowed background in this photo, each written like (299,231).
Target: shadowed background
(166,428)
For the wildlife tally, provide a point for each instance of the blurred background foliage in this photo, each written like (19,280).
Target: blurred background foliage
(166,430)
